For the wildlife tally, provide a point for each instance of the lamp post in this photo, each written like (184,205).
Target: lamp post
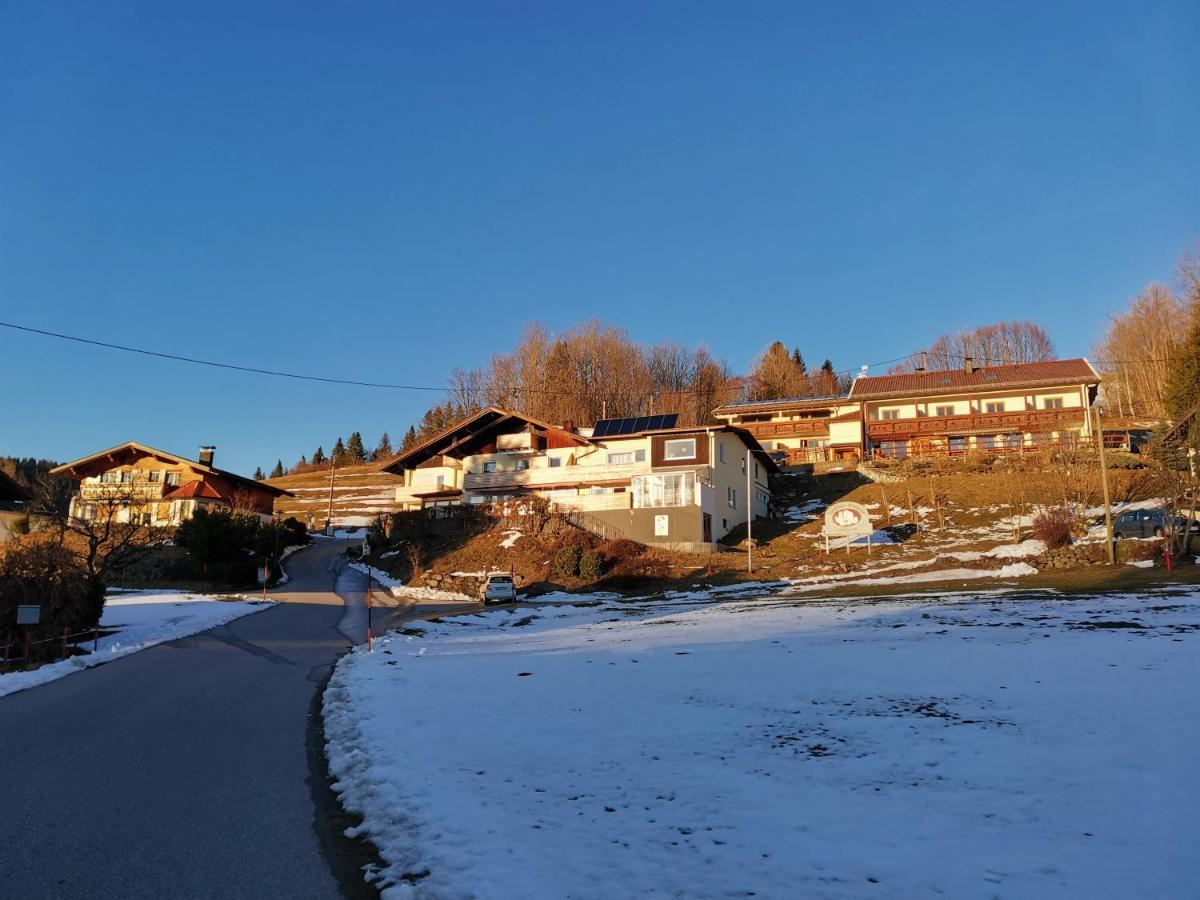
(1098,406)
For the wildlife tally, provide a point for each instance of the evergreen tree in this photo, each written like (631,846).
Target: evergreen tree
(798,359)
(1181,393)
(258,474)
(410,439)
(355,450)
(339,457)
(319,456)
(277,472)
(384,450)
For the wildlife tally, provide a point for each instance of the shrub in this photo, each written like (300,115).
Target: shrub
(621,549)
(566,561)
(1053,527)
(48,575)
(591,565)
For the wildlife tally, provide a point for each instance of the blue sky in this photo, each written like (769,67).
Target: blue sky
(388,190)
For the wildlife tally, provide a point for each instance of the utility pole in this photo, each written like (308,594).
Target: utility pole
(1097,405)
(749,514)
(329,514)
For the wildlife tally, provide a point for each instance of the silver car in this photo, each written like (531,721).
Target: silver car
(499,589)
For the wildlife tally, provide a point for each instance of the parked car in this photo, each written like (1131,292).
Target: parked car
(499,589)
(1147,523)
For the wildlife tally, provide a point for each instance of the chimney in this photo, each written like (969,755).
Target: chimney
(206,455)
(969,365)
(924,363)
(568,426)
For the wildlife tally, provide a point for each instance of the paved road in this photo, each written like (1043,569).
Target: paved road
(183,770)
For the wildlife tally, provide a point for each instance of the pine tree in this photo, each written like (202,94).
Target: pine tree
(384,450)
(410,439)
(258,474)
(355,450)
(798,359)
(277,472)
(339,454)
(319,456)
(1181,392)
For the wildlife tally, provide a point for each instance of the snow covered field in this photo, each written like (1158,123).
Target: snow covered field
(992,744)
(141,619)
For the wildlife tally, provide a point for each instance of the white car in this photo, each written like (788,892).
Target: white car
(499,589)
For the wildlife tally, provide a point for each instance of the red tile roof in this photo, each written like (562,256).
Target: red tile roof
(985,378)
(194,490)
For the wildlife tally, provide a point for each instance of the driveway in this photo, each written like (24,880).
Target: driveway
(184,770)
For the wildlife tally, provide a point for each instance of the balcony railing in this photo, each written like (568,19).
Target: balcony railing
(816,427)
(482,481)
(117,490)
(1031,421)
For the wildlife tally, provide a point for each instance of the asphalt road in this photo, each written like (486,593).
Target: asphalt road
(183,770)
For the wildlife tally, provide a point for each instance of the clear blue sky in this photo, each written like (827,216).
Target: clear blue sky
(389,190)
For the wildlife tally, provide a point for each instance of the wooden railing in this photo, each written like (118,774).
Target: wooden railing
(1002,423)
(816,427)
(117,490)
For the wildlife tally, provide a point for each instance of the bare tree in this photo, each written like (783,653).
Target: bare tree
(999,344)
(109,528)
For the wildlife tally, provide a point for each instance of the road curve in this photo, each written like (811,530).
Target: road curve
(182,770)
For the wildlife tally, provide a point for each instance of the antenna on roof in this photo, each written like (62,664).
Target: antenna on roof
(862,373)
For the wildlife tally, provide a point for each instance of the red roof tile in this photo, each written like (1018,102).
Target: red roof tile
(201,490)
(985,378)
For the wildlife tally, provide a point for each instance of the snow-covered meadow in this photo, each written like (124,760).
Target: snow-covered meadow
(137,620)
(980,744)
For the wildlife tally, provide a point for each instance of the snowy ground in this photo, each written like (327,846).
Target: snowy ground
(983,745)
(141,619)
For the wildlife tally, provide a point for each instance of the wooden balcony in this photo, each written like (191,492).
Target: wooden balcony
(802,428)
(1028,422)
(92,491)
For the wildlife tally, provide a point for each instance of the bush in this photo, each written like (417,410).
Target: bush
(566,561)
(591,565)
(1053,527)
(41,573)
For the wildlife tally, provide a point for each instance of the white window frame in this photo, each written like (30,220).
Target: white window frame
(889,415)
(731,497)
(554,462)
(489,467)
(1052,403)
(938,410)
(669,455)
(997,404)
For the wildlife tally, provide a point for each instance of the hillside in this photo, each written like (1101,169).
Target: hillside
(360,493)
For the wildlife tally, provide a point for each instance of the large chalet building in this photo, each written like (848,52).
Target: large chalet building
(135,483)
(641,478)
(951,412)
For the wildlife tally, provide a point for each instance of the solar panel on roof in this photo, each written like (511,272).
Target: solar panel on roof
(634,425)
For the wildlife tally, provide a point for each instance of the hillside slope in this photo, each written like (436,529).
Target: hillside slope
(360,493)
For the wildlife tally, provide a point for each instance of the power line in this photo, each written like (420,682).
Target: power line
(277,373)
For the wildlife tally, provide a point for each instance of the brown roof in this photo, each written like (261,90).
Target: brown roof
(133,448)
(985,378)
(751,406)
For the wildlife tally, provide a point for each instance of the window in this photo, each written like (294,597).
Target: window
(1052,403)
(522,465)
(994,406)
(626,457)
(889,414)
(720,451)
(943,410)
(680,448)
(731,497)
(756,475)
(172,479)
(663,490)
(554,462)
(489,466)
(958,444)
(441,482)
(154,476)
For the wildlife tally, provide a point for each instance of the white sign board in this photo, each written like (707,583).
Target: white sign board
(29,615)
(662,525)
(847,518)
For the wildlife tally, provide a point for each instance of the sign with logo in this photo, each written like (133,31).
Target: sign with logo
(662,526)
(847,519)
